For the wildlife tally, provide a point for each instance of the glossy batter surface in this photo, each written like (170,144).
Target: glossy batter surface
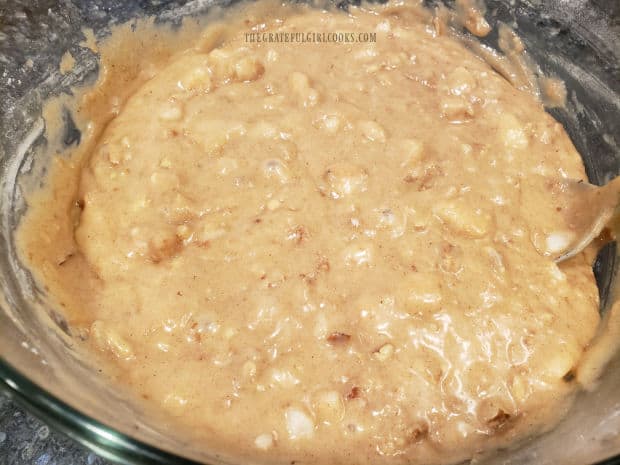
(334,253)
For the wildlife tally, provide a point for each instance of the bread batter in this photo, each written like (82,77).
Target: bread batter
(328,253)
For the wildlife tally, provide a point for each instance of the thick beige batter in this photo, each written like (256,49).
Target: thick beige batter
(330,253)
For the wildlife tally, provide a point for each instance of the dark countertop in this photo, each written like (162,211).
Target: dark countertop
(25,440)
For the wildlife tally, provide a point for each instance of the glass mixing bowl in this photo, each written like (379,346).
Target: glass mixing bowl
(577,40)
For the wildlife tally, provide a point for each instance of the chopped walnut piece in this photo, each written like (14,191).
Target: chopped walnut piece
(354,393)
(338,338)
(163,248)
(323,264)
(499,421)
